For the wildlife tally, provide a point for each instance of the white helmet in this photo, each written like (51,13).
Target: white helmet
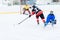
(51,12)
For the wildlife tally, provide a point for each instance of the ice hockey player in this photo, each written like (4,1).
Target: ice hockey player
(50,18)
(26,8)
(38,12)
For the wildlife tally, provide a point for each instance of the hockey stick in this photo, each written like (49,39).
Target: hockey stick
(23,20)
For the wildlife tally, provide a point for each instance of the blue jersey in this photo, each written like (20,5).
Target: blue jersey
(50,17)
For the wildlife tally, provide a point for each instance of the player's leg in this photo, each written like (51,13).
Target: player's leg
(53,21)
(40,13)
(42,17)
(24,11)
(37,18)
(29,11)
(47,21)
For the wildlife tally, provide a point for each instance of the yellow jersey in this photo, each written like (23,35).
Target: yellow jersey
(26,7)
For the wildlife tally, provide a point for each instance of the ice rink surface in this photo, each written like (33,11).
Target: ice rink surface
(29,30)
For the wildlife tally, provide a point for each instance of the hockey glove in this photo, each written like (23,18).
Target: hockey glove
(29,15)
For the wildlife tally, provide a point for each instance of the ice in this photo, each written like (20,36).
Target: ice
(29,30)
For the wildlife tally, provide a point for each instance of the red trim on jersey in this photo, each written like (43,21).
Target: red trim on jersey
(39,13)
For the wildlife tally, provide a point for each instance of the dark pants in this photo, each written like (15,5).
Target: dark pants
(26,10)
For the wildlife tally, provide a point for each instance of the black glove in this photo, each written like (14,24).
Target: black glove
(29,15)
(29,7)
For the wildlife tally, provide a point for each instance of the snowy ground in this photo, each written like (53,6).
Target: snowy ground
(28,30)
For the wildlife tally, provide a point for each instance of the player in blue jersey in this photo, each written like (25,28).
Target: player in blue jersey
(50,18)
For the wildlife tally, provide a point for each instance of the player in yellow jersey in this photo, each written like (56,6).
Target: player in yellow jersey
(26,8)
